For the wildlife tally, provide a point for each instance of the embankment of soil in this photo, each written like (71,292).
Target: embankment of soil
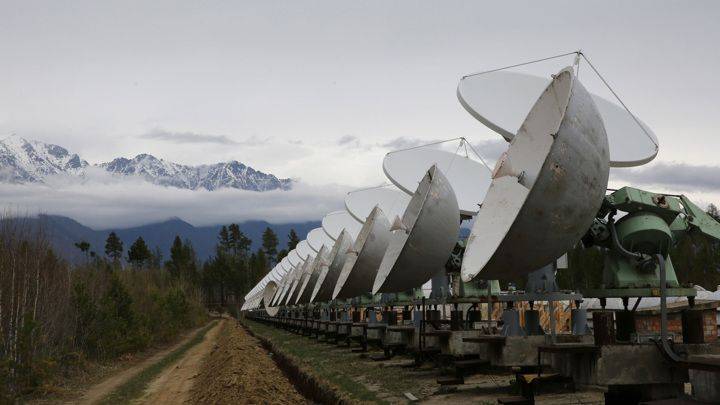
(239,370)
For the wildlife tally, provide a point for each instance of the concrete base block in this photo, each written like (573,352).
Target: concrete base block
(454,345)
(399,335)
(343,329)
(356,331)
(517,351)
(375,333)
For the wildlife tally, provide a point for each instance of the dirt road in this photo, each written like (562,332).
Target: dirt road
(226,366)
(96,393)
(173,385)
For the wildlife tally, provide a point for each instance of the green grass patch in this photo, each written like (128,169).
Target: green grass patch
(360,379)
(135,386)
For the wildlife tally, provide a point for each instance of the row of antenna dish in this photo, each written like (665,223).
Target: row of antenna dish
(535,205)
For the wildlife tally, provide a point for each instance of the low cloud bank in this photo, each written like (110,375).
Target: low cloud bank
(684,176)
(102,200)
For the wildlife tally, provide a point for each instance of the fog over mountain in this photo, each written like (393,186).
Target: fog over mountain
(38,178)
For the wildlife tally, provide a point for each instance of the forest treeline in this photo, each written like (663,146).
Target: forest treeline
(57,319)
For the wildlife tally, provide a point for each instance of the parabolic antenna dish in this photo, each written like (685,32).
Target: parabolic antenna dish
(334,222)
(317,238)
(287,284)
(292,281)
(279,292)
(285,265)
(330,269)
(501,100)
(294,258)
(268,293)
(304,250)
(299,280)
(311,278)
(468,178)
(391,201)
(547,188)
(287,271)
(421,242)
(363,259)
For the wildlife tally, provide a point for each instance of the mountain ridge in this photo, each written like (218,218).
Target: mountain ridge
(63,232)
(29,161)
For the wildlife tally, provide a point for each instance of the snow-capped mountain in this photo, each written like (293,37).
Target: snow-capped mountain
(23,161)
(27,161)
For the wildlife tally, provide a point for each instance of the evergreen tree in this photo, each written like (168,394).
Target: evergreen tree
(113,247)
(139,254)
(261,266)
(183,261)
(84,247)
(270,245)
(293,240)
(239,242)
(224,242)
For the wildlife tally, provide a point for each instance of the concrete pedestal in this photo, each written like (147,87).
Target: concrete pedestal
(455,347)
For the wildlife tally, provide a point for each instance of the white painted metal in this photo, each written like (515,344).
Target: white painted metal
(304,250)
(363,259)
(468,178)
(330,269)
(546,190)
(317,238)
(334,222)
(294,258)
(391,201)
(310,279)
(423,239)
(501,100)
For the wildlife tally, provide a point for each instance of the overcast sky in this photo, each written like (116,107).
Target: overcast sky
(322,90)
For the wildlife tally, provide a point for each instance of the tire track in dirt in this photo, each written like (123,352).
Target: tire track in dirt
(173,384)
(96,393)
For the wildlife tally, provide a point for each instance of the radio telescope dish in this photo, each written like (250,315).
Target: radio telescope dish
(301,280)
(363,259)
(312,275)
(421,242)
(297,281)
(468,178)
(391,201)
(281,288)
(289,281)
(547,188)
(334,222)
(286,269)
(330,269)
(501,100)
(317,238)
(268,293)
(304,250)
(294,258)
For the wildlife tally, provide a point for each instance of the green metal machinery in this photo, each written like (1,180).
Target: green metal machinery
(653,223)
